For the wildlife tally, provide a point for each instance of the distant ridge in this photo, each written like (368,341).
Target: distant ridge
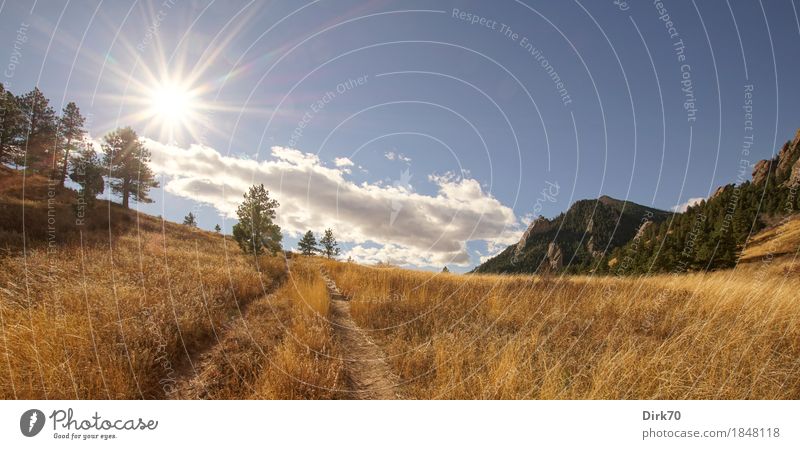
(611,235)
(576,239)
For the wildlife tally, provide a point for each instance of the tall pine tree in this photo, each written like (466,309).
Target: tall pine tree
(308,244)
(329,246)
(256,230)
(71,133)
(12,130)
(127,161)
(40,130)
(87,173)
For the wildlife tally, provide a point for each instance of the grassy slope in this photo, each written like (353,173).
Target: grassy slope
(113,309)
(782,240)
(728,334)
(113,313)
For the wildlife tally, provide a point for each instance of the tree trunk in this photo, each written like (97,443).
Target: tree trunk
(66,159)
(125,193)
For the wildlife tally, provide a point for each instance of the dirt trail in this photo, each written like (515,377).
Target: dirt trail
(197,381)
(196,376)
(365,366)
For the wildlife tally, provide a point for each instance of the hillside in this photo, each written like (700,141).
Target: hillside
(158,310)
(576,240)
(127,306)
(602,236)
(779,241)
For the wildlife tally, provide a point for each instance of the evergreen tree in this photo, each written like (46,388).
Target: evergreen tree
(308,244)
(70,132)
(39,121)
(126,159)
(87,172)
(217,229)
(11,127)
(256,231)
(190,220)
(329,246)
(445,270)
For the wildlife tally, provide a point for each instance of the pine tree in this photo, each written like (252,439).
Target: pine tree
(87,172)
(329,246)
(190,220)
(308,244)
(445,270)
(40,129)
(217,229)
(256,230)
(11,127)
(70,132)
(127,159)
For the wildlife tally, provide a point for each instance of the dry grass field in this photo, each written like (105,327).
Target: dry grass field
(726,335)
(781,240)
(133,306)
(130,306)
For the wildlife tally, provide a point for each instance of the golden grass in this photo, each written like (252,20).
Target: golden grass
(126,306)
(117,321)
(726,335)
(283,348)
(782,239)
(119,308)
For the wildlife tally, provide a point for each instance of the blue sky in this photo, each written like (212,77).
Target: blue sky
(423,132)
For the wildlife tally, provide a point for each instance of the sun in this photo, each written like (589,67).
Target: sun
(172,105)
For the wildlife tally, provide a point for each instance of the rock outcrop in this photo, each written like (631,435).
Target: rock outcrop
(788,157)
(785,166)
(718,192)
(642,228)
(555,257)
(537,226)
(761,171)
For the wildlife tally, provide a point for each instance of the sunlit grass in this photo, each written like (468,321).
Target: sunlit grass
(729,334)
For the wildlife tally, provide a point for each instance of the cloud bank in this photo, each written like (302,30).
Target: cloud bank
(384,222)
(684,206)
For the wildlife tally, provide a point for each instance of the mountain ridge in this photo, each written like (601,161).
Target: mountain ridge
(589,228)
(594,235)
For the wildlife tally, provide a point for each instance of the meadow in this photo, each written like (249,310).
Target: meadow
(130,306)
(724,335)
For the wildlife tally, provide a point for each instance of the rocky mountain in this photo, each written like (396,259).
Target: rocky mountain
(784,167)
(609,235)
(576,239)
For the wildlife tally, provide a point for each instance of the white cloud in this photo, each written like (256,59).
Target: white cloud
(392,156)
(395,255)
(410,228)
(343,162)
(684,206)
(484,258)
